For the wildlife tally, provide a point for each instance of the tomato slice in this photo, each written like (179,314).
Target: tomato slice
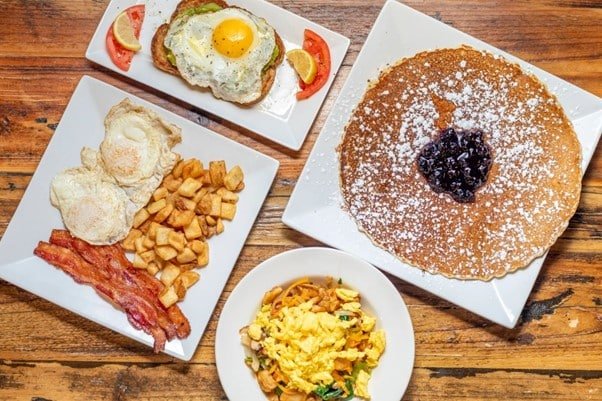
(121,56)
(318,48)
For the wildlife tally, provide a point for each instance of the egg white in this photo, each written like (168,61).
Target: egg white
(190,39)
(92,208)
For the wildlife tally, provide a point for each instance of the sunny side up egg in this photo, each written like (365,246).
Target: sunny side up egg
(225,50)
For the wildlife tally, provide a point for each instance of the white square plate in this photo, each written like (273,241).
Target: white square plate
(82,125)
(279,116)
(315,205)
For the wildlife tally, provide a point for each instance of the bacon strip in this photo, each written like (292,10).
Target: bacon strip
(110,273)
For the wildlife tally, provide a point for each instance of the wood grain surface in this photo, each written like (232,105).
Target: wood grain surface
(554,353)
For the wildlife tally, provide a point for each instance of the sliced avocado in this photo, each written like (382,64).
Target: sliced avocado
(205,8)
(170,57)
(275,55)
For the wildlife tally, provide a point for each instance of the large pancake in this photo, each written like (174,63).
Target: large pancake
(530,194)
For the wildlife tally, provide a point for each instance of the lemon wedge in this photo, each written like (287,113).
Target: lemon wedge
(304,63)
(124,32)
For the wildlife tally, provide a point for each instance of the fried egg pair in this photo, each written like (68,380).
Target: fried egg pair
(226,50)
(98,200)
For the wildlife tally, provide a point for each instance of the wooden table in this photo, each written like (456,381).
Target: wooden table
(555,352)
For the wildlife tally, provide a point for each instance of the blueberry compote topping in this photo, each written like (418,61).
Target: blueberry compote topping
(456,163)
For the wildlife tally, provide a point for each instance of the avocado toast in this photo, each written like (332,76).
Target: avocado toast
(164,59)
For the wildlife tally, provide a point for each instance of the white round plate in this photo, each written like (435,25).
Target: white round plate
(379,297)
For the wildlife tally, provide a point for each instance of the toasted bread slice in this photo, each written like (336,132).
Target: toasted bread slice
(159,51)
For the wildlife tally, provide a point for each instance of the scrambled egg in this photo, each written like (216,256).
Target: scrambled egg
(305,344)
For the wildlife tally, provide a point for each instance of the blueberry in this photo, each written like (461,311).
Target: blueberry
(456,163)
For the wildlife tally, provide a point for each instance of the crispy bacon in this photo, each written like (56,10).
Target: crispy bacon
(111,274)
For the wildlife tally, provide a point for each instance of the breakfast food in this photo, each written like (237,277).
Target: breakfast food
(99,199)
(227,49)
(123,34)
(110,273)
(460,163)
(313,341)
(314,70)
(170,233)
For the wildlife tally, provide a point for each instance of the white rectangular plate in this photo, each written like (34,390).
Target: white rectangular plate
(315,206)
(82,125)
(279,116)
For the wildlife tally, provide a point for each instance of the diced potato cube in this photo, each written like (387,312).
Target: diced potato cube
(166,252)
(206,177)
(204,205)
(193,230)
(152,268)
(188,266)
(177,170)
(145,226)
(161,236)
(183,218)
(188,278)
(187,168)
(203,224)
(197,169)
(169,274)
(189,187)
(139,262)
(160,193)
(152,230)
(219,228)
(186,256)
(210,220)
(139,245)
(156,206)
(185,204)
(216,205)
(211,230)
(180,289)
(172,217)
(140,217)
(199,195)
(203,256)
(128,242)
(228,211)
(197,246)
(233,179)
(168,297)
(163,213)
(148,256)
(171,198)
(217,171)
(148,243)
(176,240)
(227,196)
(172,184)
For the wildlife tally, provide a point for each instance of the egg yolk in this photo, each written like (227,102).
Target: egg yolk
(232,38)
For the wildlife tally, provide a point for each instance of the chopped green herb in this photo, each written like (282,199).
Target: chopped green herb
(278,391)
(328,392)
(340,281)
(344,317)
(350,392)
